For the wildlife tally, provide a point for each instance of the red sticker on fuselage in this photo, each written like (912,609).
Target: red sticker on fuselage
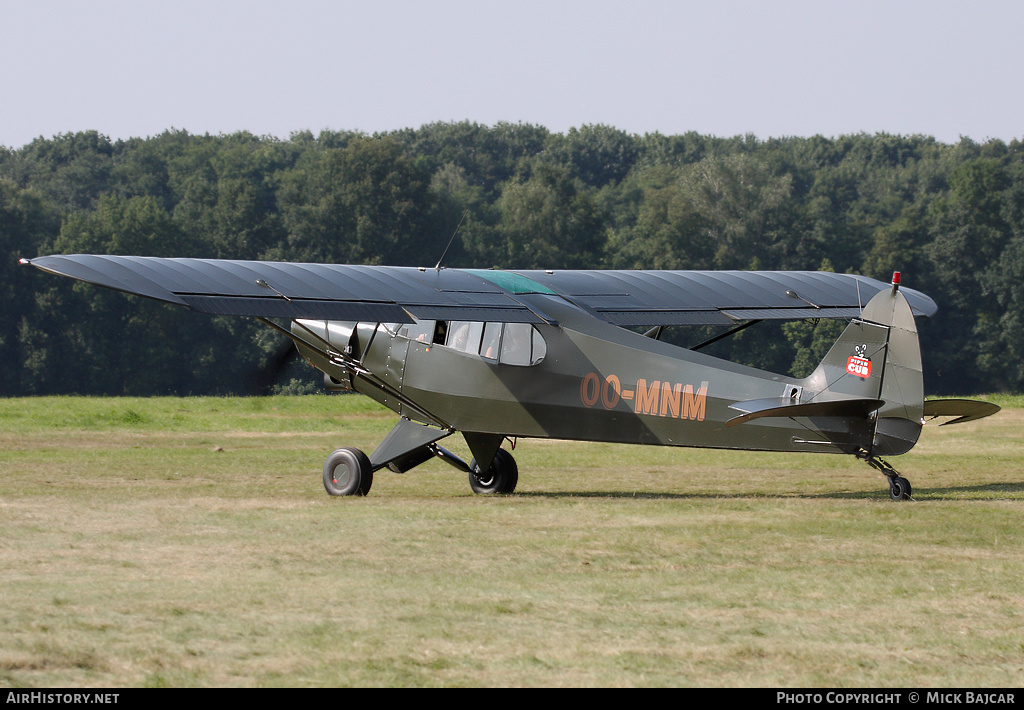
(858,366)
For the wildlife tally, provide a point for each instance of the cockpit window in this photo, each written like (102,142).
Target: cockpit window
(421,331)
(491,341)
(516,344)
(521,344)
(507,343)
(540,348)
(440,332)
(465,336)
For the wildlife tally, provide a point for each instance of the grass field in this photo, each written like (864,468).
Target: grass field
(189,542)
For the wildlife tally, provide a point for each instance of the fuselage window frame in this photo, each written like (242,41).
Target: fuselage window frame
(515,344)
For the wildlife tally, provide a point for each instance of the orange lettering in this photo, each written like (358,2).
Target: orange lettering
(610,392)
(694,404)
(590,389)
(670,399)
(646,397)
(659,399)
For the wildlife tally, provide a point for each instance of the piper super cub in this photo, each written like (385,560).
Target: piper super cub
(501,355)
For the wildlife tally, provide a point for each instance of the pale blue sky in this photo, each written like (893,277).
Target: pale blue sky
(720,67)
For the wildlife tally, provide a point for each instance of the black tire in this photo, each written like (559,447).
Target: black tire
(899,488)
(502,476)
(348,472)
(907,490)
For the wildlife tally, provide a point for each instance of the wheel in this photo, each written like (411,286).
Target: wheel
(348,473)
(907,490)
(502,476)
(899,488)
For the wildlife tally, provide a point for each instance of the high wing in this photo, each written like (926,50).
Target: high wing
(401,294)
(720,297)
(314,291)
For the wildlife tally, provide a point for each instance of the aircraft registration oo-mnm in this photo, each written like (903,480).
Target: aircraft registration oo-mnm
(512,355)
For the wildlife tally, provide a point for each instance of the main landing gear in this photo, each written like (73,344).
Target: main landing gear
(349,472)
(500,478)
(899,487)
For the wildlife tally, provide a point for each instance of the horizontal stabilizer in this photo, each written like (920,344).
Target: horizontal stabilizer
(966,410)
(786,407)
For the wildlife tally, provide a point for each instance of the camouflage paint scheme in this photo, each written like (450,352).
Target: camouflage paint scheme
(599,382)
(572,371)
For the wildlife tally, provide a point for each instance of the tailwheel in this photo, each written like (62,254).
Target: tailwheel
(348,472)
(899,488)
(501,477)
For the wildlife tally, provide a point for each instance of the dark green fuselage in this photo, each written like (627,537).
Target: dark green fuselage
(595,382)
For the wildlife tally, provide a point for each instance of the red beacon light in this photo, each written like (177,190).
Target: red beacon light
(895,281)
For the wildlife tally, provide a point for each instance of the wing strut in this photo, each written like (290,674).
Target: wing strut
(726,334)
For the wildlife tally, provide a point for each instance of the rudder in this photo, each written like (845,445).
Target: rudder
(878,356)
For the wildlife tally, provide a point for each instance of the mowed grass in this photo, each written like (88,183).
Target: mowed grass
(189,542)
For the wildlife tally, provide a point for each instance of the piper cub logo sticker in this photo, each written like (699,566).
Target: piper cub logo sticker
(659,399)
(858,366)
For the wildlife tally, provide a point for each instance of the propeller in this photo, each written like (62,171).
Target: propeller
(273,367)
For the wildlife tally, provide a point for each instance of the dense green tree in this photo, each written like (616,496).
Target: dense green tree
(948,216)
(898,246)
(71,170)
(486,156)
(597,155)
(669,230)
(365,203)
(135,225)
(547,220)
(25,220)
(970,235)
(1002,356)
(719,213)
(658,149)
(739,200)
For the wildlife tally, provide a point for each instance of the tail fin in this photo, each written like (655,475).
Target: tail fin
(878,357)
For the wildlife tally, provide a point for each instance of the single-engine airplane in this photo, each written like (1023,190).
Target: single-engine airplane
(501,355)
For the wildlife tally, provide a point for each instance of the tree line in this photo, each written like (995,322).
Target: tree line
(949,216)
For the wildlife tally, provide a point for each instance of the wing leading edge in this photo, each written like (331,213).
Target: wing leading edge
(399,294)
(291,290)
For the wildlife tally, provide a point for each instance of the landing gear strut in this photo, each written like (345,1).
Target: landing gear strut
(899,487)
(349,472)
